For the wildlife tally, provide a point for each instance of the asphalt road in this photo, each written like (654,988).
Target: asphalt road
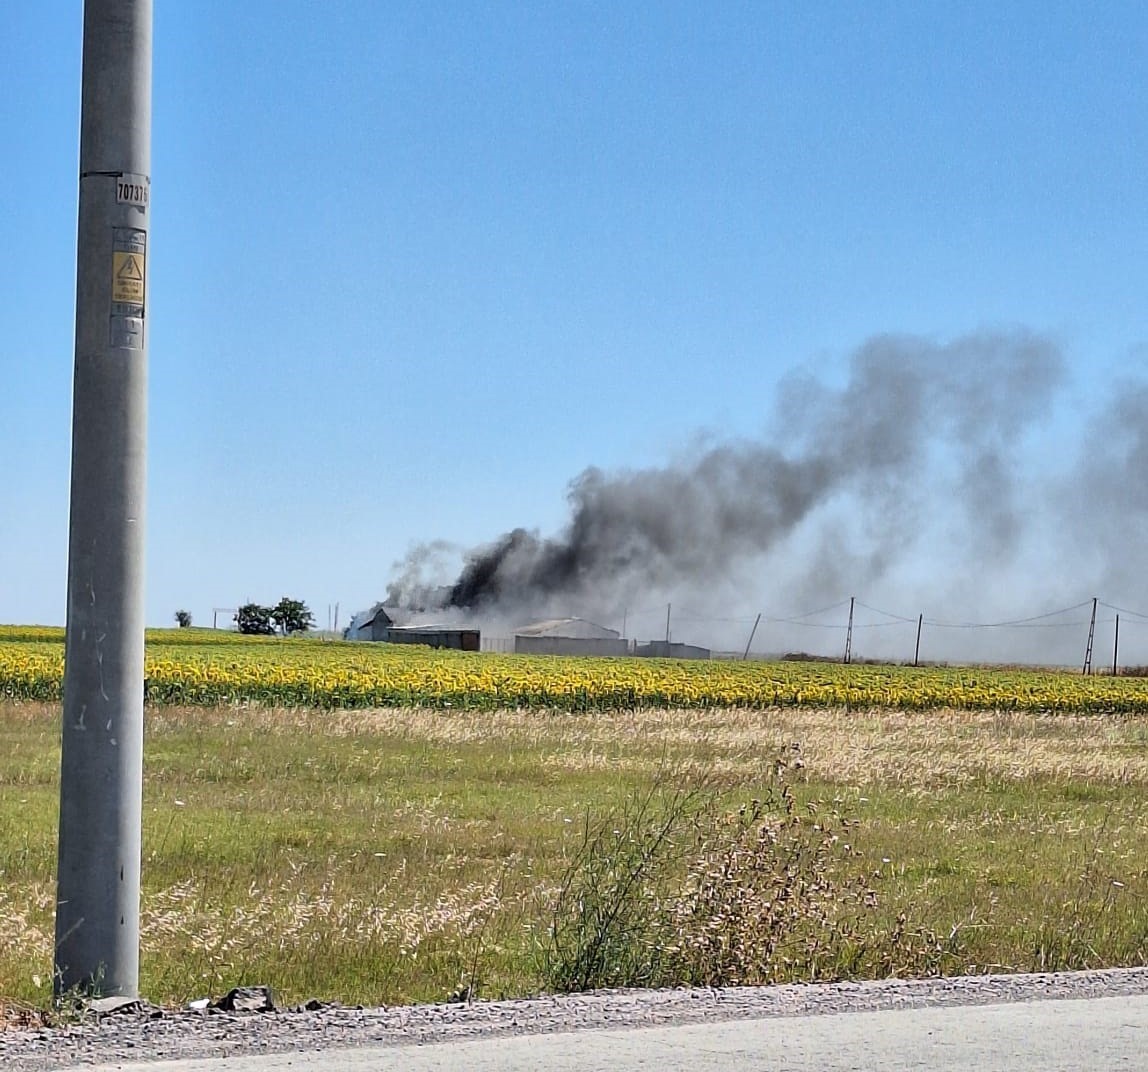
(1083,1035)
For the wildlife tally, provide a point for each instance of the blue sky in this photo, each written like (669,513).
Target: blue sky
(414,266)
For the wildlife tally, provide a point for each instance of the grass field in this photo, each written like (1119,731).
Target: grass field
(402,853)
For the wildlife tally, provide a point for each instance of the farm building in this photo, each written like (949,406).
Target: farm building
(661,649)
(386,624)
(568,636)
(435,636)
(372,624)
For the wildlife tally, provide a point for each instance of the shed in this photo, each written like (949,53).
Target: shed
(434,636)
(372,624)
(568,636)
(661,649)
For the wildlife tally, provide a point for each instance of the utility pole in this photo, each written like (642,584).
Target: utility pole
(756,621)
(1091,636)
(917,649)
(101,767)
(849,634)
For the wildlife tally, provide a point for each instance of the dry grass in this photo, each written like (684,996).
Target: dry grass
(912,748)
(401,854)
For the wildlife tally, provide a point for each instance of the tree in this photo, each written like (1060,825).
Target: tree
(183,619)
(292,616)
(254,620)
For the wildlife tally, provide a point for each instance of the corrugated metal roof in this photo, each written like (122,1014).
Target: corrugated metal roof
(578,628)
(433,629)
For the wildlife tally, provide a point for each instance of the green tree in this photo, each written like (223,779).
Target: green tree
(255,620)
(292,616)
(182,619)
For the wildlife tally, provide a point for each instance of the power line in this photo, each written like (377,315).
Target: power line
(1013,622)
(687,615)
(797,618)
(1124,610)
(887,614)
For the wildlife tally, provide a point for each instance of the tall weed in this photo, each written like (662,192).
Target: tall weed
(674,891)
(605,928)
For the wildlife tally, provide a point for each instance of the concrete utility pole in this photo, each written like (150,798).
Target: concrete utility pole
(101,770)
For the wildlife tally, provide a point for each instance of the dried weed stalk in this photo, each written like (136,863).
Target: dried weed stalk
(671,892)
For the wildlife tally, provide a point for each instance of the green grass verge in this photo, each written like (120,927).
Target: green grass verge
(402,855)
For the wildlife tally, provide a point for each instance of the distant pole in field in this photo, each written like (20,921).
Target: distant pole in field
(849,633)
(667,623)
(101,765)
(751,633)
(1091,638)
(625,612)
(1115,645)
(917,649)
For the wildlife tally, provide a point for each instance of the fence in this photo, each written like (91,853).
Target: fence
(1093,635)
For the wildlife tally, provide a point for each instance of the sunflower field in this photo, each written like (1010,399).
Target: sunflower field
(209,667)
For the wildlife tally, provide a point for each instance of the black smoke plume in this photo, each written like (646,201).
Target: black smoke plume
(915,418)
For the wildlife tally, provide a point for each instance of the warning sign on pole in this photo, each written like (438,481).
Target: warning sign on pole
(127,277)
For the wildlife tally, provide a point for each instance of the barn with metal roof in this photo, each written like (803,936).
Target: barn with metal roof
(568,636)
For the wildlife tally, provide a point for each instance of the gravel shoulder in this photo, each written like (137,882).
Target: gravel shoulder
(144,1033)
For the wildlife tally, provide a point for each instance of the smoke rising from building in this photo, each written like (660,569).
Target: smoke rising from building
(915,424)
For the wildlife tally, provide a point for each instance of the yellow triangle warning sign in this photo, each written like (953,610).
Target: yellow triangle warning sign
(127,277)
(130,268)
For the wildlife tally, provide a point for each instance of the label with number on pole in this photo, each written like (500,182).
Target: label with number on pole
(132,190)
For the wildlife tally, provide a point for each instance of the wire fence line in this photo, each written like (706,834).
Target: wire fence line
(803,619)
(1090,620)
(1032,621)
